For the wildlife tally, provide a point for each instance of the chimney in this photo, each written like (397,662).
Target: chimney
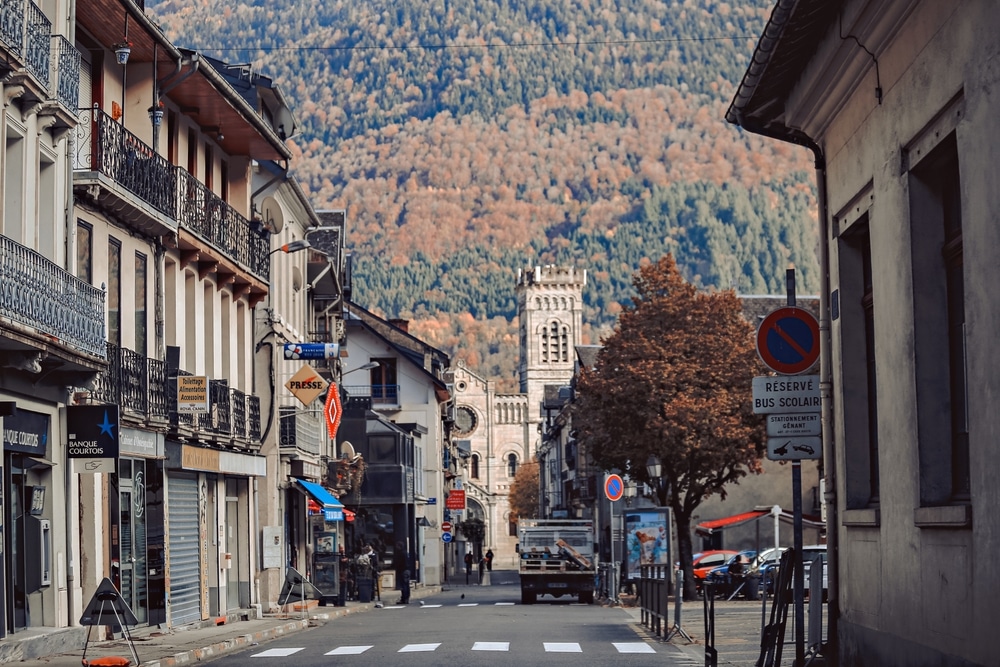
(404,325)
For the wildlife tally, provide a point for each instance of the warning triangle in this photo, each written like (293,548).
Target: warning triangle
(107,607)
(297,588)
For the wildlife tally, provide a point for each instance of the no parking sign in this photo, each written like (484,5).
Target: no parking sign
(788,340)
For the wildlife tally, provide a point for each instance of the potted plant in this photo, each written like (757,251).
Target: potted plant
(122,51)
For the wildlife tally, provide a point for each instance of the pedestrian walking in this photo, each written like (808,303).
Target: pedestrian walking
(400,563)
(489,560)
(482,568)
(468,566)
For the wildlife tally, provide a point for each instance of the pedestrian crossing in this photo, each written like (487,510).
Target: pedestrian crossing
(504,647)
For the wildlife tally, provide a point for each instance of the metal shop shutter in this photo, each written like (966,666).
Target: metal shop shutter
(184,565)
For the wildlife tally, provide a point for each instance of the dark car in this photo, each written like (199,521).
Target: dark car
(727,579)
(768,567)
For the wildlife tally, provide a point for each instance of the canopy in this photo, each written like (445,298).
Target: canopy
(709,527)
(333,509)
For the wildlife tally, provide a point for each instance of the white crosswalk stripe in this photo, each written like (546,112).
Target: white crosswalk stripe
(348,650)
(633,647)
(491,646)
(562,647)
(469,604)
(429,606)
(505,604)
(276,653)
(415,648)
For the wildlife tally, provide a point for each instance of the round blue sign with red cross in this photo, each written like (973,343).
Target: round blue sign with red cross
(614,487)
(788,340)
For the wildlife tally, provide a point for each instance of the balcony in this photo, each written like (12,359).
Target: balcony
(46,306)
(380,394)
(232,414)
(116,170)
(135,383)
(213,221)
(66,74)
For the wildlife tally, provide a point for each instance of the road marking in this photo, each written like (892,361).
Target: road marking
(429,606)
(415,648)
(348,650)
(633,647)
(276,653)
(505,604)
(491,646)
(557,647)
(469,604)
(396,606)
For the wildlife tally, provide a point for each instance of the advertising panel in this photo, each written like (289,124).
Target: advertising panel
(647,539)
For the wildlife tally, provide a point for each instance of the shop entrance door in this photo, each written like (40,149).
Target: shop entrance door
(132,501)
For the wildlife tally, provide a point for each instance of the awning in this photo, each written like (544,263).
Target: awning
(333,509)
(348,514)
(709,527)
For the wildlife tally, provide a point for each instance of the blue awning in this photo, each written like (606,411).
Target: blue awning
(333,509)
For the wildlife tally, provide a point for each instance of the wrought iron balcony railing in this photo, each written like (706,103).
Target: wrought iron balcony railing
(66,72)
(37,43)
(104,146)
(210,217)
(380,394)
(231,412)
(37,293)
(12,25)
(134,382)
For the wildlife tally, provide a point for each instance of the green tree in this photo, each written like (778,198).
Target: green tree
(673,381)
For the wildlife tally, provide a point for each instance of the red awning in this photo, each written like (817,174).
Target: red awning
(709,527)
(348,514)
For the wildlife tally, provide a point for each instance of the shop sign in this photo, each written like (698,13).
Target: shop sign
(26,432)
(92,437)
(192,394)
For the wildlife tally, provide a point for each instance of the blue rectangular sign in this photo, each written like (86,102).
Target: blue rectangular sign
(312,351)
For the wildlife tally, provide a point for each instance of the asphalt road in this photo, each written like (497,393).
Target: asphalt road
(488,626)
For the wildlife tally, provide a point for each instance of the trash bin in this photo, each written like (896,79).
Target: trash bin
(364,590)
(752,589)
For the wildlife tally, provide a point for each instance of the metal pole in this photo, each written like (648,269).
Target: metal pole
(800,617)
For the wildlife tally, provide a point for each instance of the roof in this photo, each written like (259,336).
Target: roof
(784,50)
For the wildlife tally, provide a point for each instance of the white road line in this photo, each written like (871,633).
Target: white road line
(396,606)
(415,648)
(348,650)
(557,647)
(469,604)
(429,606)
(633,647)
(505,604)
(276,653)
(491,646)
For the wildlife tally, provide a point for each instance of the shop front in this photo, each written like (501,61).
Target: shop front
(324,535)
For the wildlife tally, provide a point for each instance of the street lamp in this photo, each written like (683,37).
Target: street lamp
(294,246)
(363,367)
(654,469)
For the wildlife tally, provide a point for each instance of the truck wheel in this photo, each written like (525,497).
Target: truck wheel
(587,597)
(527,597)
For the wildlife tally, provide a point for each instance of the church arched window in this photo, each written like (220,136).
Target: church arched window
(511,465)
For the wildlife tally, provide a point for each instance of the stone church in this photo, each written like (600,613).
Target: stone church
(497,432)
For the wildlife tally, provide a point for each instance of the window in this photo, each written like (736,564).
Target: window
(511,465)
(939,326)
(114,291)
(84,252)
(474,467)
(384,385)
(857,330)
(555,343)
(140,303)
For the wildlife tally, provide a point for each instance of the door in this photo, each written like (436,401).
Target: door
(132,529)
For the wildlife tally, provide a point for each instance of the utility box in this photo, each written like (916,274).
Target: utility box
(38,539)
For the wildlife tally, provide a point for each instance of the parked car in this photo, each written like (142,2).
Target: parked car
(705,561)
(768,565)
(726,578)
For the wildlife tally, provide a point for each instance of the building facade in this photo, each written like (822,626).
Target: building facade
(895,101)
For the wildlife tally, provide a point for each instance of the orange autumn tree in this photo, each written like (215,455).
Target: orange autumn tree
(524,492)
(673,381)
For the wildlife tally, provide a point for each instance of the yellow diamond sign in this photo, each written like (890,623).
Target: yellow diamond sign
(306,385)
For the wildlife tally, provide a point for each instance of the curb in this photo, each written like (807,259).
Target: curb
(229,645)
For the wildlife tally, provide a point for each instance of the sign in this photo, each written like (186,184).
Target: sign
(803,423)
(107,607)
(788,340)
(27,432)
(446,526)
(455,500)
(779,395)
(92,437)
(306,385)
(312,351)
(432,501)
(614,488)
(332,410)
(446,537)
(794,449)
(192,394)
(647,540)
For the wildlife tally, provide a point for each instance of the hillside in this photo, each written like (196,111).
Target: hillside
(470,139)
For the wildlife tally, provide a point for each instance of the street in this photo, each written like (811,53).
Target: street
(488,626)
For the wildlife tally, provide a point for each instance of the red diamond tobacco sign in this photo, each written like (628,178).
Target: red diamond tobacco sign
(332,410)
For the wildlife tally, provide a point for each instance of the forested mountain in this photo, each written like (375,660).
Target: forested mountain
(468,139)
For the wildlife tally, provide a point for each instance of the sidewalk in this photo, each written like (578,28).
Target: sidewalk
(166,648)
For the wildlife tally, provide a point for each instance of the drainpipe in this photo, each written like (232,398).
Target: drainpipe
(825,381)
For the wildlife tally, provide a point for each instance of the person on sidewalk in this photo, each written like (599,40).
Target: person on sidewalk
(401,565)
(482,568)
(345,572)
(468,566)
(489,560)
